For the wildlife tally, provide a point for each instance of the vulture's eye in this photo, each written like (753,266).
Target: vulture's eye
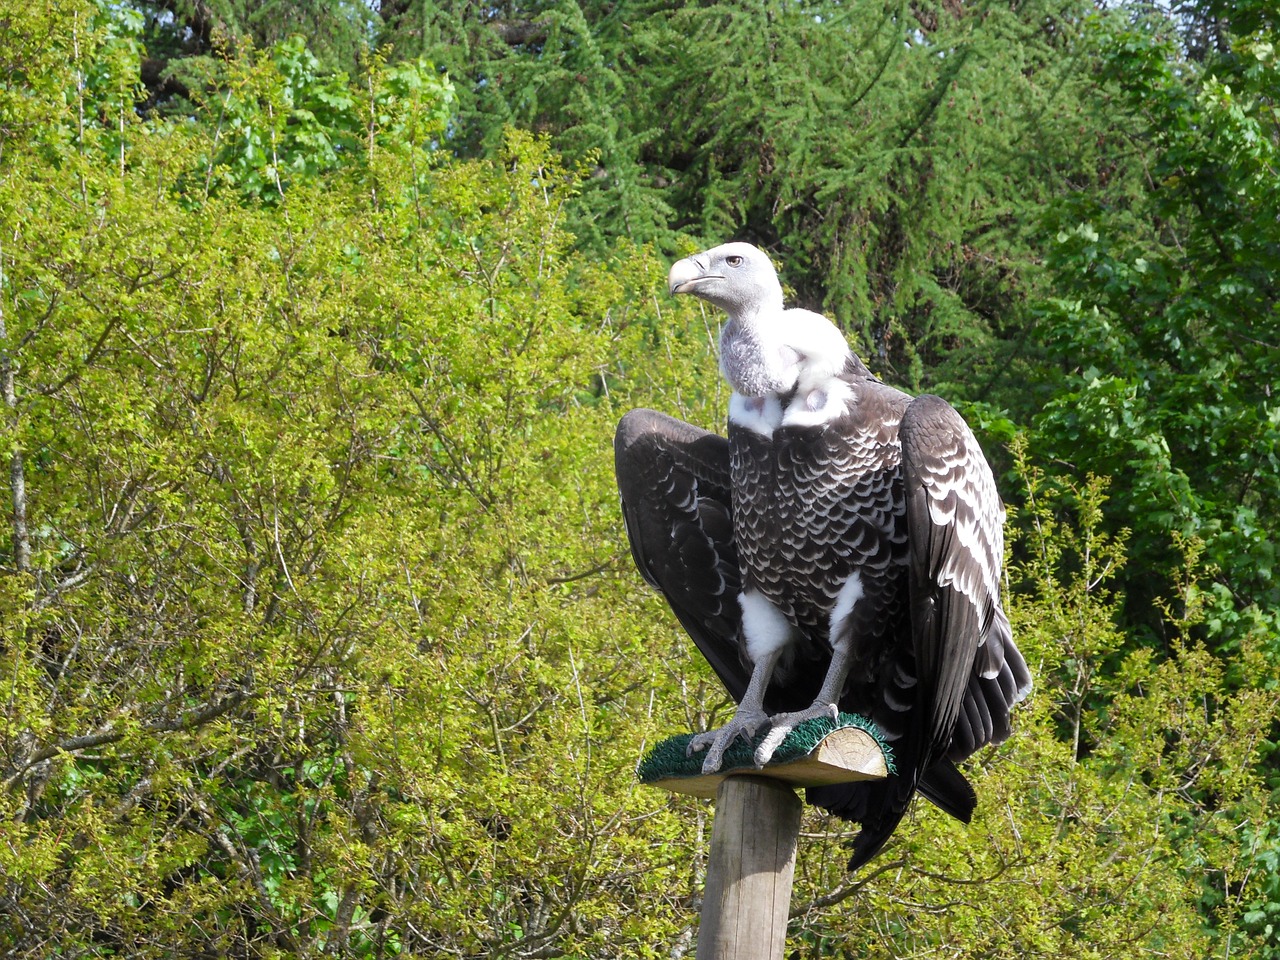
(733,261)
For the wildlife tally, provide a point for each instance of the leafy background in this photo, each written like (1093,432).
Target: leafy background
(320,632)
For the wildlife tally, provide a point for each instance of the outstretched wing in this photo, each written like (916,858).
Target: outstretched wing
(674,481)
(970,673)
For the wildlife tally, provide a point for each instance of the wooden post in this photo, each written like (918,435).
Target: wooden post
(753,859)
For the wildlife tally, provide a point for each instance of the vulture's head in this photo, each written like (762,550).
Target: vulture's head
(736,277)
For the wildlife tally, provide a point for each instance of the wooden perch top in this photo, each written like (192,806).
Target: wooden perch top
(841,754)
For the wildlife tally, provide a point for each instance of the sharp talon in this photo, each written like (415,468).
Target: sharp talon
(784,723)
(716,742)
(764,752)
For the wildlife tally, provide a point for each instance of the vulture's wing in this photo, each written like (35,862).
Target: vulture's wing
(999,680)
(969,671)
(674,482)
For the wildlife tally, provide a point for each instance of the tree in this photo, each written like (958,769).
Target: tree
(1164,328)
(898,156)
(184,38)
(285,659)
(1053,214)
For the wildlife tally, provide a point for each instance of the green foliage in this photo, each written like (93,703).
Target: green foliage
(1165,323)
(897,155)
(1064,217)
(278,117)
(183,37)
(291,662)
(1261,916)
(932,173)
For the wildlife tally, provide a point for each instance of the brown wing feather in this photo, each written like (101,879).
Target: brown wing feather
(674,482)
(970,671)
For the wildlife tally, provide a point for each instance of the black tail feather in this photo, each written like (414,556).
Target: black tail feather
(880,806)
(947,789)
(872,838)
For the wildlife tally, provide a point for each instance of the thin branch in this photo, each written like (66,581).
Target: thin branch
(459,472)
(188,721)
(89,358)
(598,568)
(840,894)
(17,468)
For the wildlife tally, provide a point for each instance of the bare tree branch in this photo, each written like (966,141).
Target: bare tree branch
(841,894)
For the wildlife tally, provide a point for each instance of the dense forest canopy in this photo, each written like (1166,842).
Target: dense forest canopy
(320,634)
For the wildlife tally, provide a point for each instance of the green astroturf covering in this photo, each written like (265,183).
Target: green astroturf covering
(668,760)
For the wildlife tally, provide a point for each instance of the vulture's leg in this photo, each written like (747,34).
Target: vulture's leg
(748,718)
(766,633)
(823,706)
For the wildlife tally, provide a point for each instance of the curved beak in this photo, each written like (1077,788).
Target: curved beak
(685,275)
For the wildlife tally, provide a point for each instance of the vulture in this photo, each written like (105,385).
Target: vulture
(841,549)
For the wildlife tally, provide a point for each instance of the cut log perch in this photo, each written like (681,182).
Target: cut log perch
(757,824)
(843,754)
